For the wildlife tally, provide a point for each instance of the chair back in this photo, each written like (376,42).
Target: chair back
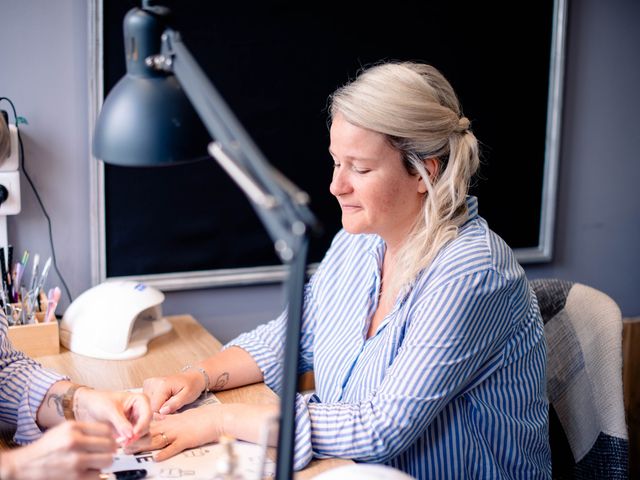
(583,330)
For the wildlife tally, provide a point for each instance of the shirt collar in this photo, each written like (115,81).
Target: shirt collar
(377,249)
(472,207)
(472,213)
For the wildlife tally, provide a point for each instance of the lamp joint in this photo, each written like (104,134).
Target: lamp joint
(160,62)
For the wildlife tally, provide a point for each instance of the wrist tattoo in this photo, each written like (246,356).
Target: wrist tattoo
(56,400)
(65,403)
(221,381)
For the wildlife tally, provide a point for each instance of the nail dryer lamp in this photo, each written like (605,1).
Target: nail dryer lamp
(114,320)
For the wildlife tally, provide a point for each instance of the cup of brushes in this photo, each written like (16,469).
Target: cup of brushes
(33,327)
(30,313)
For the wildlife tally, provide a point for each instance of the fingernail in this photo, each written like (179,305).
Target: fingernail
(164,410)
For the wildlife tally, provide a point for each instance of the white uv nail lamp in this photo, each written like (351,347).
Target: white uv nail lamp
(115,320)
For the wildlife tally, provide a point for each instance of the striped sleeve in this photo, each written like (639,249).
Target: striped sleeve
(23,386)
(266,343)
(452,343)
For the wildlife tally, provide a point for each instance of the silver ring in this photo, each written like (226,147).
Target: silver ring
(164,437)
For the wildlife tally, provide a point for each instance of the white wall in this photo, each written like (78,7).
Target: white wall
(44,70)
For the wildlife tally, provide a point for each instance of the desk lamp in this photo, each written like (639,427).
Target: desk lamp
(147,120)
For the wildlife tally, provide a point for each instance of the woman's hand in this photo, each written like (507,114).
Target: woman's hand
(128,413)
(230,368)
(168,394)
(71,450)
(171,434)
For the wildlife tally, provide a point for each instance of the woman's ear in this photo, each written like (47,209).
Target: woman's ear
(432,166)
(422,186)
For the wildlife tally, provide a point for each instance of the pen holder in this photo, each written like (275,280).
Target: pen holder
(36,339)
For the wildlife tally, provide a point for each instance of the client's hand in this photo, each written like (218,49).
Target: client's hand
(168,394)
(69,450)
(128,413)
(171,434)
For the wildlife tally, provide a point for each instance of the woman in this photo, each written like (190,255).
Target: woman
(424,336)
(68,430)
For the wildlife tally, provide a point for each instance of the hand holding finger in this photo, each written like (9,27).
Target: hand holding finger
(181,398)
(129,414)
(168,394)
(157,390)
(138,413)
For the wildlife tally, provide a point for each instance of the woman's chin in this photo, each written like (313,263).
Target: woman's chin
(354,229)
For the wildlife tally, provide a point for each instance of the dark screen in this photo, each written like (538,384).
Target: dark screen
(275,63)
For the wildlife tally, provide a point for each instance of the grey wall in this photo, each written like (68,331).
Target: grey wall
(44,70)
(598,217)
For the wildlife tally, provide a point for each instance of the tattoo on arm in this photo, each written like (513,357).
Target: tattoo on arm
(64,404)
(57,403)
(221,381)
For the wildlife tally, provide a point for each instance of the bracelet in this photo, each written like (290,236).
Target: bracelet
(69,403)
(203,372)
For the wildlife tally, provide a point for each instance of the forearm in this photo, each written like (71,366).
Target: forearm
(59,404)
(248,422)
(23,387)
(231,368)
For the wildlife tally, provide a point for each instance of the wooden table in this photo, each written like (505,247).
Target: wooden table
(187,343)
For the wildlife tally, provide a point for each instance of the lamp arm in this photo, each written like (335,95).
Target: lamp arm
(281,206)
(289,214)
(241,177)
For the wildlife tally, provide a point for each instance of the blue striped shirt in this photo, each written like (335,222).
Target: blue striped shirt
(23,386)
(452,383)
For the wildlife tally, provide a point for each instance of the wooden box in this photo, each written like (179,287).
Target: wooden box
(36,339)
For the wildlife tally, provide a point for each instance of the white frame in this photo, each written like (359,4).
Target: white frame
(245,276)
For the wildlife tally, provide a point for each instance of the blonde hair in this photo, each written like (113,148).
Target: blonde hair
(418,111)
(5,139)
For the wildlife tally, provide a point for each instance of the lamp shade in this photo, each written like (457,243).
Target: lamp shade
(147,119)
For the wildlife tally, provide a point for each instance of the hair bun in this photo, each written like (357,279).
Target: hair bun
(463,124)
